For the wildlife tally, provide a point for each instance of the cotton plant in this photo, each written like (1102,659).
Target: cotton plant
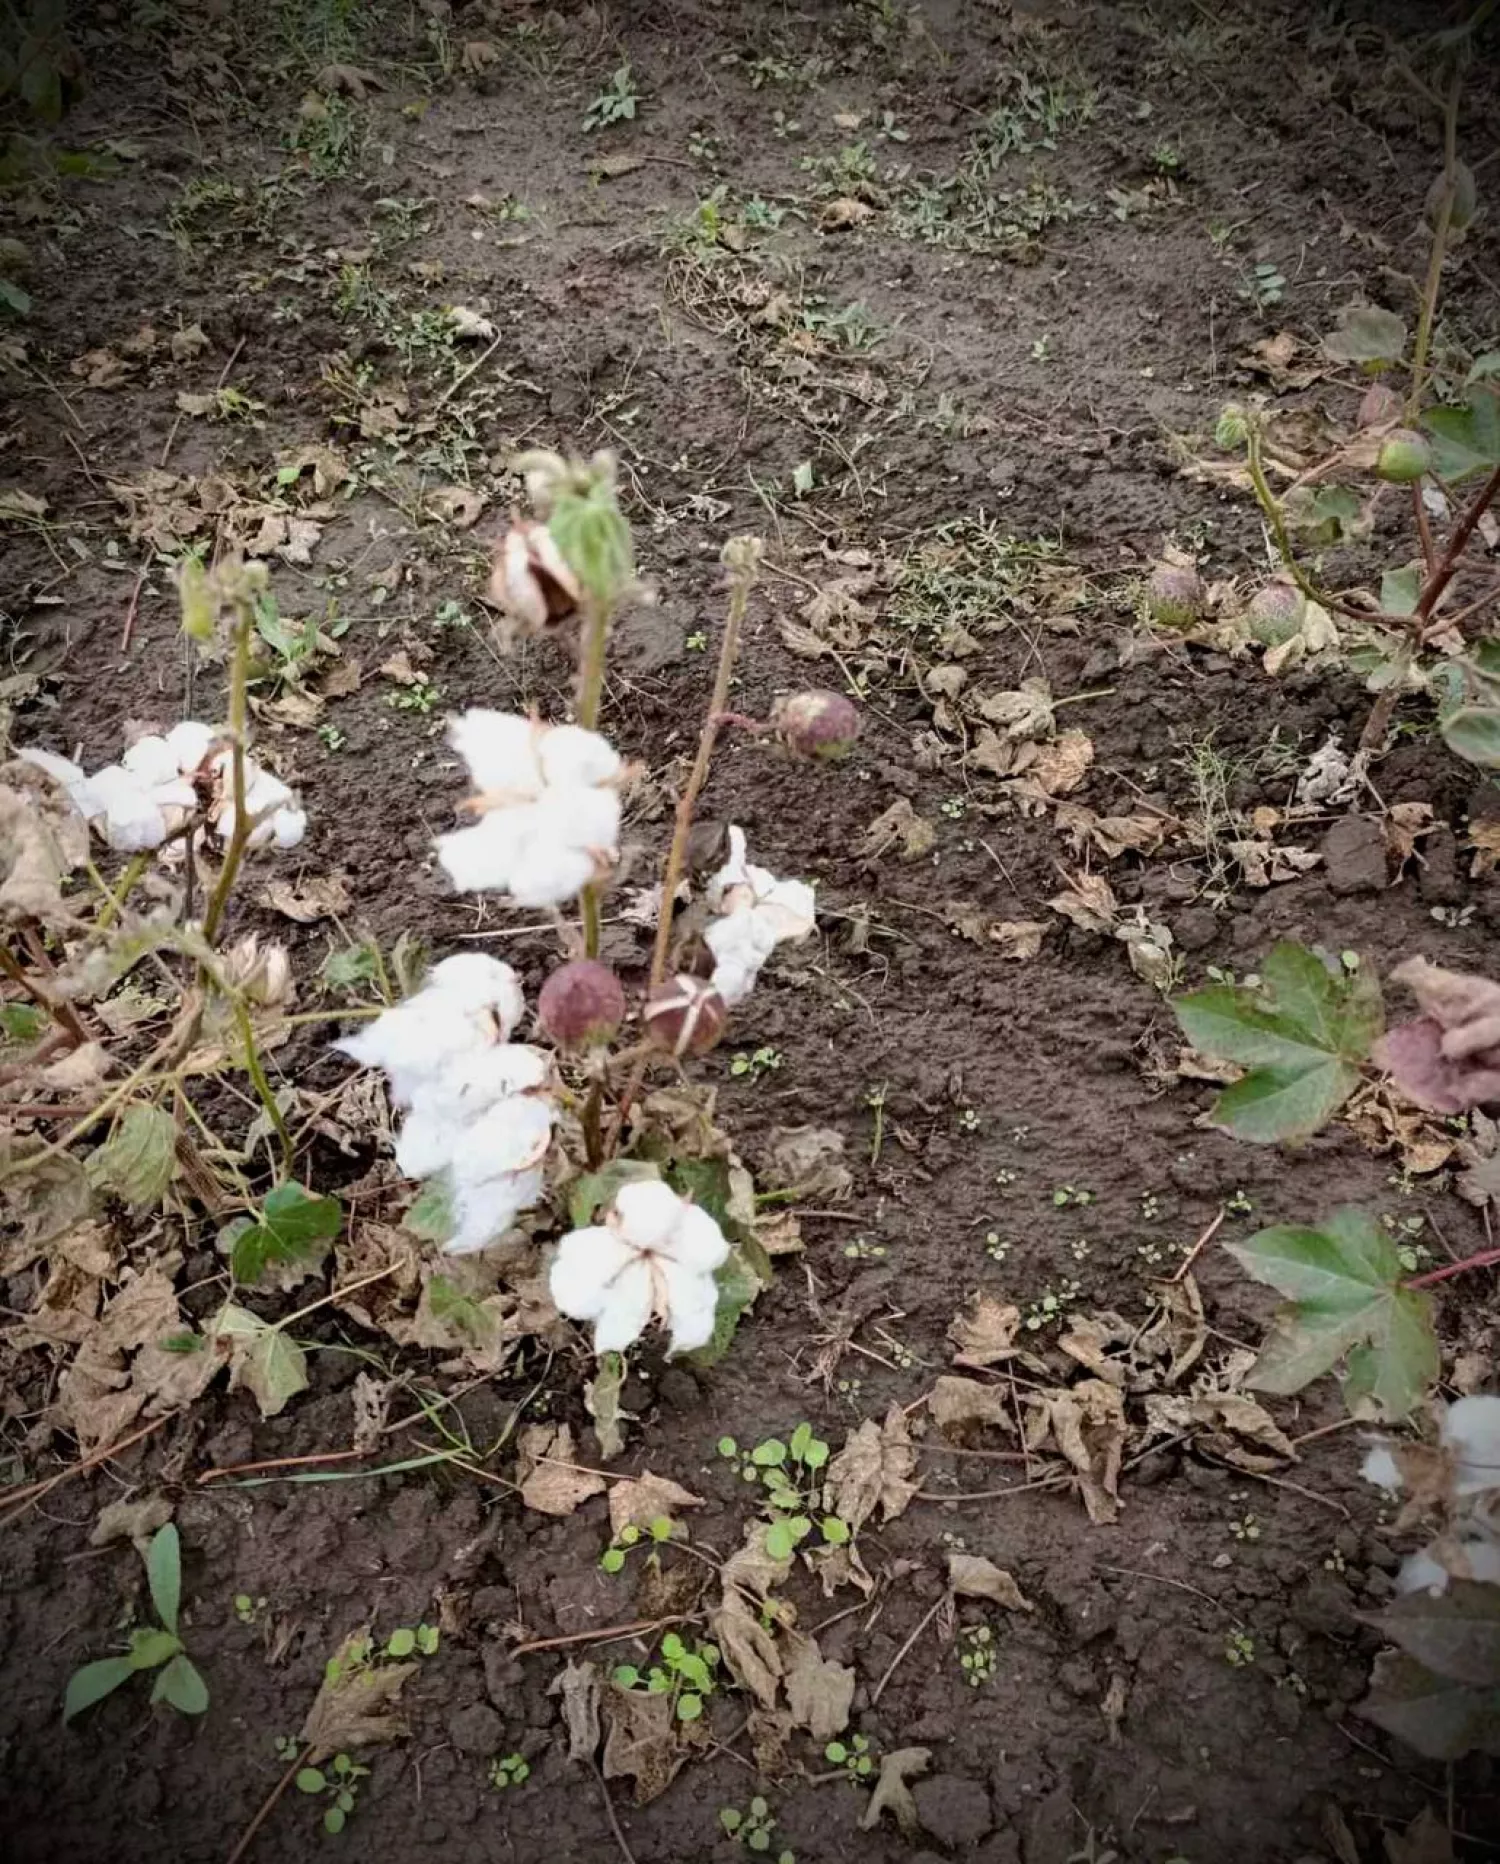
(654,1257)
(1464,1472)
(756,912)
(478,1108)
(162,780)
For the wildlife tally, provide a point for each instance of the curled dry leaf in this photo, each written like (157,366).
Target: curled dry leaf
(309,900)
(646,1498)
(1112,835)
(355,1705)
(352,80)
(1023,713)
(1230,1421)
(642,1741)
(1088,1426)
(1018,938)
(808,1161)
(985,1332)
(551,1481)
(844,212)
(892,1794)
(973,1577)
(132,1521)
(1060,767)
(962,1407)
(819,1693)
(873,1470)
(749,1649)
(456,505)
(1089,902)
(42,840)
(898,824)
(579,1687)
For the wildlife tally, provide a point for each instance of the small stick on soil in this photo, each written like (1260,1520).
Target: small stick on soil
(17,1504)
(458,381)
(922,1624)
(130,613)
(611,1634)
(268,1806)
(993,1495)
(1161,1579)
(282,1462)
(1325,1430)
(1280,1482)
(609,1807)
(1198,1248)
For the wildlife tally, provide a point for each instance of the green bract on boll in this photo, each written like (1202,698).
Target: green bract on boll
(1403,457)
(817,724)
(582,1004)
(1276,611)
(1232,429)
(1175,595)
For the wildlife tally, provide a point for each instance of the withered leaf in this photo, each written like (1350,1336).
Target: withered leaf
(309,900)
(579,1686)
(1427,1840)
(892,1794)
(132,1521)
(647,1498)
(355,1705)
(1025,712)
(985,1332)
(1089,902)
(1058,768)
(807,1160)
(973,1577)
(641,1740)
(898,824)
(748,1647)
(1088,1425)
(1019,938)
(550,1480)
(819,1693)
(1223,1412)
(456,505)
(844,212)
(962,1407)
(873,1470)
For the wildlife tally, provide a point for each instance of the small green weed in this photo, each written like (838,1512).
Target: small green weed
(340,1785)
(686,1673)
(178,1682)
(789,1473)
(753,1828)
(1051,1306)
(1239,1649)
(508,1770)
(618,102)
(977,1656)
(655,1534)
(421,696)
(754,1062)
(854,1756)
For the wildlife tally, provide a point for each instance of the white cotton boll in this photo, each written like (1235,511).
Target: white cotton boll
(570,755)
(549,873)
(736,961)
(1380,1468)
(789,907)
(585,1265)
(500,749)
(626,1309)
(64,771)
(575,814)
(131,820)
(189,743)
(152,760)
(732,873)
(473,1082)
(1471,1429)
(482,859)
(1420,1572)
(699,1243)
(424,1146)
(482,1213)
(288,826)
(511,1136)
(417,1040)
(647,1213)
(476,981)
(692,1303)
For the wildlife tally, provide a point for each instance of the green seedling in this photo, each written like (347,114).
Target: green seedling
(413,1640)
(421,696)
(247,1609)
(655,1534)
(753,1828)
(1245,1528)
(286,1747)
(618,102)
(968,1121)
(755,1062)
(1051,1306)
(995,1246)
(1239,1649)
(339,1783)
(688,1674)
(854,1756)
(977,1656)
(788,1472)
(508,1770)
(178,1682)
(1066,1197)
(863,1250)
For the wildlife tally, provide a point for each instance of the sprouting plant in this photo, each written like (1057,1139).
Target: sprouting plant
(152,1648)
(1239,1648)
(977,1655)
(855,1756)
(1264,285)
(696,642)
(755,1062)
(339,1784)
(1245,1527)
(618,102)
(655,1534)
(753,1828)
(968,1120)
(1052,1306)
(995,1246)
(1067,1196)
(247,1608)
(863,1250)
(419,695)
(789,1473)
(507,1770)
(953,807)
(688,1673)
(412,1640)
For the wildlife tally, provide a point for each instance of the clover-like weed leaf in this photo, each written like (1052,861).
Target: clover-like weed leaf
(1345,1301)
(1301,1034)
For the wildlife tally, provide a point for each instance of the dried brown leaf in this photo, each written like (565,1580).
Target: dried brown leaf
(819,1693)
(456,505)
(646,1498)
(892,1794)
(809,1161)
(1020,939)
(641,1741)
(1060,767)
(133,1521)
(1088,1425)
(985,1332)
(898,824)
(1427,1840)
(579,1686)
(873,1470)
(962,1407)
(551,1481)
(844,212)
(355,1705)
(1089,902)
(748,1648)
(309,900)
(973,1577)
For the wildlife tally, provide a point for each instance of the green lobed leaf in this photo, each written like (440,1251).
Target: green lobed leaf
(1455,1634)
(294,1227)
(181,1685)
(430,1215)
(1437,1716)
(706,1182)
(164,1574)
(94,1682)
(1367,335)
(1466,437)
(272,1367)
(596,1190)
(1473,733)
(1302,1034)
(1344,1283)
(139,1159)
(1401,589)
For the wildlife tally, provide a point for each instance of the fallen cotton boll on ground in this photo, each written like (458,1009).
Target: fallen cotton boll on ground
(757,912)
(548,804)
(654,1256)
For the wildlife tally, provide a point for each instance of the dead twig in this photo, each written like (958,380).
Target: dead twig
(895,1663)
(267,1807)
(609,1634)
(1198,1248)
(17,1504)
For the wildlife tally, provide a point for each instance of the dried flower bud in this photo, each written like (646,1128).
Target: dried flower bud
(1379,406)
(1403,457)
(817,724)
(685,1016)
(1465,199)
(582,1004)
(1276,612)
(262,974)
(1175,595)
(1233,427)
(531,580)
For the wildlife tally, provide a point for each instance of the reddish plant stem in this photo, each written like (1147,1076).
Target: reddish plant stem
(1424,528)
(1487,1258)
(42,995)
(1447,569)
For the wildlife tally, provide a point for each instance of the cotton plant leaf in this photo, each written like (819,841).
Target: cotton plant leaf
(294,1229)
(1301,1034)
(271,1366)
(1455,1634)
(138,1161)
(1345,1301)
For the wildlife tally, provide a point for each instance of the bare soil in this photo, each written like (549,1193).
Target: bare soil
(1038,390)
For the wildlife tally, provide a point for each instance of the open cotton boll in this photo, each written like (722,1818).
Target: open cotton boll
(127,812)
(500,749)
(1432,1568)
(568,754)
(469,1005)
(483,1212)
(479,982)
(654,1254)
(757,913)
(1471,1430)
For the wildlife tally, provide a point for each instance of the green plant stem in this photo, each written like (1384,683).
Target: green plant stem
(1270,504)
(258,1079)
(239,682)
(742,581)
(592,653)
(1427,315)
(114,900)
